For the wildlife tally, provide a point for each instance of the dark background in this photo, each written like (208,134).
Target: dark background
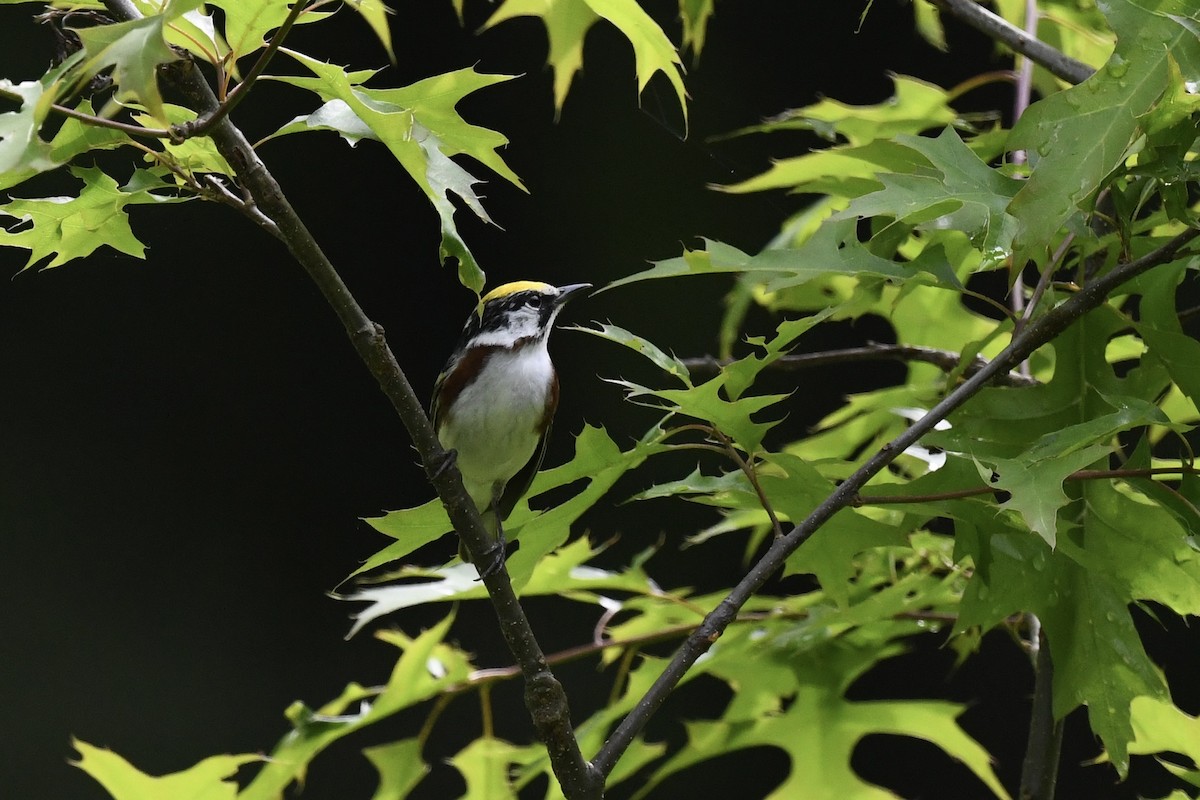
(188,441)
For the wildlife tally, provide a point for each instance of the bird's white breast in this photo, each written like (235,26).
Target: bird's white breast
(496,418)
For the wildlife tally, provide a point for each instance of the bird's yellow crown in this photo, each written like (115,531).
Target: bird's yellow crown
(504,290)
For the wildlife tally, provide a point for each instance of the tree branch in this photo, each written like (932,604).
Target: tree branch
(995,27)
(1040,331)
(544,696)
(946,360)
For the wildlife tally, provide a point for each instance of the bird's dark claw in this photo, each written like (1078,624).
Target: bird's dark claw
(495,555)
(442,463)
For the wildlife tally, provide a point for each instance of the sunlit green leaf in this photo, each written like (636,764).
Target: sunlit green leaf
(695,15)
(568,22)
(400,768)
(915,107)
(247,22)
(66,228)
(422,129)
(211,779)
(133,50)
(426,667)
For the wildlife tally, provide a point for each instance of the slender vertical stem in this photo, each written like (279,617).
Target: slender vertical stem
(1039,771)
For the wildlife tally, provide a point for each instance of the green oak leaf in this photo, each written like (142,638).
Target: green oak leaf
(915,106)
(66,228)
(844,171)
(741,374)
(211,779)
(195,155)
(1036,486)
(133,50)
(484,765)
(568,22)
(1159,328)
(795,488)
(695,15)
(597,460)
(960,192)
(1120,550)
(817,728)
(375,14)
(1077,137)
(400,768)
(193,31)
(1160,727)
(426,667)
(247,22)
(22,151)
(421,127)
(664,361)
(833,249)
(705,402)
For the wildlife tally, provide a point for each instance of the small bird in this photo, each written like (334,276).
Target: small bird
(494,401)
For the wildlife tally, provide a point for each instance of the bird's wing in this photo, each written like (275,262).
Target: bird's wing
(519,484)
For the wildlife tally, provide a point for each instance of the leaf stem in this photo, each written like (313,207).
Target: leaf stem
(1040,331)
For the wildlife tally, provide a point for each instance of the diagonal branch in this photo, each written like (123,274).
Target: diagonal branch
(544,695)
(995,27)
(1040,331)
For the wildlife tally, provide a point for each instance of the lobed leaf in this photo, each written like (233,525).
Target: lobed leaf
(133,50)
(422,129)
(65,228)
(400,768)
(568,22)
(210,779)
(960,193)
(426,667)
(1077,137)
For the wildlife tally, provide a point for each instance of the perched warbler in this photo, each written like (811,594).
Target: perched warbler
(496,396)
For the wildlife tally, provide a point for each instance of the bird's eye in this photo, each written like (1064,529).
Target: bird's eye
(534,301)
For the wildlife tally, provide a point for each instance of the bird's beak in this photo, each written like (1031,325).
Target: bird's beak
(565,292)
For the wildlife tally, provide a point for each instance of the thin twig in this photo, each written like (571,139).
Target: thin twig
(984,21)
(92,119)
(1044,282)
(977,491)
(751,474)
(1042,330)
(632,643)
(946,360)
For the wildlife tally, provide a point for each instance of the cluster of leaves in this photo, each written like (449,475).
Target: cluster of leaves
(1087,526)
(417,123)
